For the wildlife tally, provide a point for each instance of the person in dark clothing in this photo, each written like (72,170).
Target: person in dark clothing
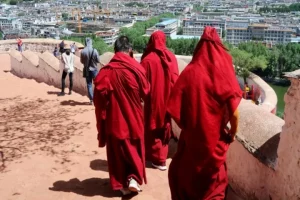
(62,47)
(89,58)
(55,52)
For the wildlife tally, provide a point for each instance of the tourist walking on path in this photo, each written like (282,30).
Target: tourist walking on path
(119,88)
(162,72)
(55,52)
(62,47)
(89,58)
(204,99)
(73,48)
(68,60)
(20,44)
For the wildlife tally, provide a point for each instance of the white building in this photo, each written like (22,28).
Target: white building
(42,5)
(198,30)
(205,22)
(237,23)
(109,37)
(168,26)
(237,35)
(261,32)
(8,23)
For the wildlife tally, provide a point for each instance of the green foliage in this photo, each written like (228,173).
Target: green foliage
(280,114)
(223,33)
(21,14)
(98,43)
(197,8)
(182,46)
(281,8)
(273,62)
(65,16)
(135,4)
(228,45)
(180,31)
(135,34)
(13,2)
(246,62)
(255,48)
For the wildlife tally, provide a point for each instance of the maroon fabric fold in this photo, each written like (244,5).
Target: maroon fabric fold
(162,72)
(202,102)
(119,88)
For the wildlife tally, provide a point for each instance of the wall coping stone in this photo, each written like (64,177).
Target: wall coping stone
(15,54)
(32,57)
(42,41)
(259,136)
(50,60)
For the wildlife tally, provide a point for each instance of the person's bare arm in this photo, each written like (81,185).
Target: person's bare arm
(234,123)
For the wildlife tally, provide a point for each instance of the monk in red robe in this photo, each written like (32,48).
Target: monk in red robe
(204,99)
(162,72)
(119,88)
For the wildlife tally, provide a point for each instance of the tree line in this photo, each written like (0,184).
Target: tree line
(139,42)
(280,8)
(265,62)
(98,43)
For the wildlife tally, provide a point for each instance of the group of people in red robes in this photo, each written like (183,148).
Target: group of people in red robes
(202,100)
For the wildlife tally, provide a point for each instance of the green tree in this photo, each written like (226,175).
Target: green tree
(223,33)
(13,2)
(65,16)
(245,62)
(21,14)
(180,30)
(197,8)
(98,43)
(228,45)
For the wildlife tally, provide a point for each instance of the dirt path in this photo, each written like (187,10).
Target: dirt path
(50,147)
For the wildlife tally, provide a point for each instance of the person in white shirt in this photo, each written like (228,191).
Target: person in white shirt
(73,48)
(68,60)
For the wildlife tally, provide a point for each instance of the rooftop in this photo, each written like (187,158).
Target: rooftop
(167,22)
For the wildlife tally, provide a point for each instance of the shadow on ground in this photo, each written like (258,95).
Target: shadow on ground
(53,92)
(88,187)
(99,165)
(33,126)
(74,103)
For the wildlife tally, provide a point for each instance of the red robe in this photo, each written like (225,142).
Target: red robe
(119,87)
(202,102)
(162,72)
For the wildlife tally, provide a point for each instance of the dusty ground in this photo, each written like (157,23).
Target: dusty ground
(49,147)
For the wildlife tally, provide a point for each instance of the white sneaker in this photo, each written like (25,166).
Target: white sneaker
(125,191)
(161,168)
(134,186)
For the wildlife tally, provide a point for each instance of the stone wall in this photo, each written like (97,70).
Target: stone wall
(288,168)
(268,95)
(45,68)
(35,45)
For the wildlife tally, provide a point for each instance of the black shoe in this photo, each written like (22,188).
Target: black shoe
(91,102)
(61,94)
